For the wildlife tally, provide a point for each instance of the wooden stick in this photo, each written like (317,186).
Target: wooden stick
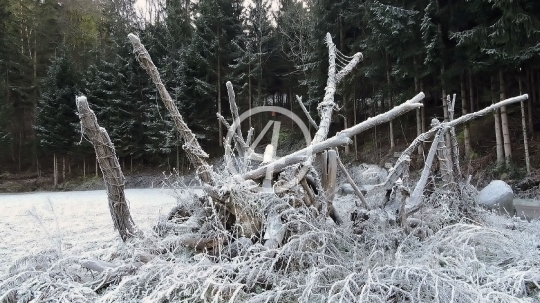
(417,195)
(351,182)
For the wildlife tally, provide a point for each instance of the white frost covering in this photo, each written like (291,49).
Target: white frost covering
(497,196)
(368,174)
(79,220)
(446,258)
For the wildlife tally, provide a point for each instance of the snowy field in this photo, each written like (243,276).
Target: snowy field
(31,222)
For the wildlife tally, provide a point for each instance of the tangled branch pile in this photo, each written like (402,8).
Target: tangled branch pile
(294,239)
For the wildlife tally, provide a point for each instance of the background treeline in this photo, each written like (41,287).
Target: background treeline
(483,50)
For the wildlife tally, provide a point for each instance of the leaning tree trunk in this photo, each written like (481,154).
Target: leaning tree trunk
(112,174)
(194,152)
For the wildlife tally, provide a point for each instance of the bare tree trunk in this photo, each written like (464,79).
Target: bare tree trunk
(220,139)
(423,113)
(354,118)
(418,120)
(466,135)
(55,172)
(524,129)
(84,168)
(530,87)
(250,102)
(498,136)
(63,169)
(445,105)
(96,167)
(389,83)
(504,121)
(533,87)
(345,126)
(112,174)
(471,91)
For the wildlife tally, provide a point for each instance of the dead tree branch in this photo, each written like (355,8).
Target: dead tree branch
(351,182)
(195,154)
(112,173)
(304,109)
(339,139)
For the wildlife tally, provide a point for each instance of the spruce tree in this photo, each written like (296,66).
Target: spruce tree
(56,119)
(218,23)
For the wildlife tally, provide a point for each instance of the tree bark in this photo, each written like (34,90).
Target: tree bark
(63,169)
(524,130)
(250,102)
(471,92)
(354,122)
(466,135)
(498,136)
(504,121)
(530,87)
(389,83)
(55,172)
(112,174)
(445,104)
(220,139)
(418,119)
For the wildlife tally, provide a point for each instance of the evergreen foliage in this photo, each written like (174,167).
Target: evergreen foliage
(56,119)
(267,54)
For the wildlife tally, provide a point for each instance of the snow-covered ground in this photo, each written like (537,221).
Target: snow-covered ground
(30,222)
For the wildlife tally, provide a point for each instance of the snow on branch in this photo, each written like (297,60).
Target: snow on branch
(339,139)
(112,173)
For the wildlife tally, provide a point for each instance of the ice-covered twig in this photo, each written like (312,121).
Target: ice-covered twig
(304,109)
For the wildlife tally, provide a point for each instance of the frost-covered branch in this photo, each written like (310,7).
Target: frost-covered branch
(195,154)
(112,173)
(418,193)
(339,139)
(304,109)
(353,184)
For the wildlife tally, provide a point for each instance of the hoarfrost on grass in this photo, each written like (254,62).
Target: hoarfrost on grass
(448,258)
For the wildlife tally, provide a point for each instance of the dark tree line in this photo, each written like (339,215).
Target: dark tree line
(52,50)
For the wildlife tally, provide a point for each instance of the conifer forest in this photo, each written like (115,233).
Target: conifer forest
(270,51)
(438,100)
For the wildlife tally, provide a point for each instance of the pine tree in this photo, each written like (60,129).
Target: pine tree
(209,60)
(56,120)
(253,51)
